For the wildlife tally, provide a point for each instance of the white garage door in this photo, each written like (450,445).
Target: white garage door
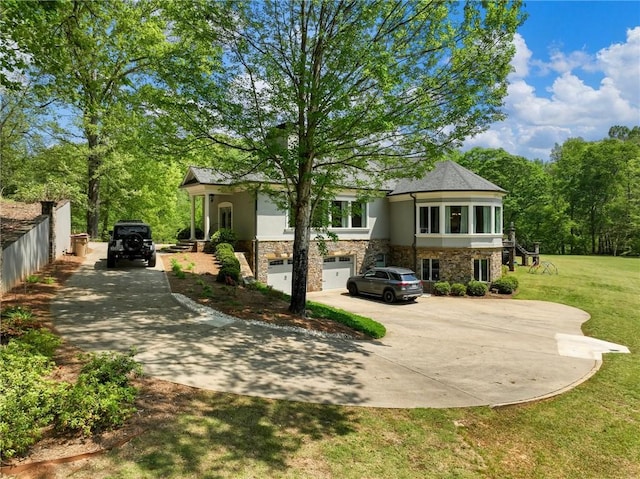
(279,274)
(335,272)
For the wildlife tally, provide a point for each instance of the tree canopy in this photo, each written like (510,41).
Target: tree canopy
(361,91)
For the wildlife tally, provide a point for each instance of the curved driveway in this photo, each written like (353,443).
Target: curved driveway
(439,352)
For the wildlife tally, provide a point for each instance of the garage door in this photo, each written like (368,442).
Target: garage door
(335,272)
(279,274)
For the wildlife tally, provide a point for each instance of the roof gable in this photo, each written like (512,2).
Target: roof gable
(446,176)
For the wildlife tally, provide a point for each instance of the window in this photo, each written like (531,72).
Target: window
(225,216)
(339,214)
(457,219)
(481,270)
(381,260)
(498,220)
(358,215)
(482,219)
(429,219)
(430,270)
(335,214)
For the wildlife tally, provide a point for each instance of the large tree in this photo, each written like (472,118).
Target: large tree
(89,58)
(361,91)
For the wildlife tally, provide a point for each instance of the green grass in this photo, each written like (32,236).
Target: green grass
(356,322)
(588,432)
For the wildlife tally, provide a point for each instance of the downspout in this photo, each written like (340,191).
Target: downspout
(414,246)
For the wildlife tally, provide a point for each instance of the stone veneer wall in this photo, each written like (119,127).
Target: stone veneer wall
(456,264)
(364,253)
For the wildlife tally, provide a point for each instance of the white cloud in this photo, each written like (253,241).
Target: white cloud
(570,107)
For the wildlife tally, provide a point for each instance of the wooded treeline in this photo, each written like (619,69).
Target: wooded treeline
(107,103)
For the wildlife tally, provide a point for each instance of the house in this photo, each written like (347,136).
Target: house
(445,226)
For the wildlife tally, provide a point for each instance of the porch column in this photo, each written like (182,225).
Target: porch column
(193,218)
(207,218)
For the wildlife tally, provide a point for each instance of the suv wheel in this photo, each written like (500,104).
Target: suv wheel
(388,296)
(151,262)
(353,289)
(111,261)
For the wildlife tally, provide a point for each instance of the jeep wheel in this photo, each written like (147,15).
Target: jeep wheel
(151,262)
(388,296)
(111,261)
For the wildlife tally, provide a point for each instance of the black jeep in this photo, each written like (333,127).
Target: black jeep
(131,239)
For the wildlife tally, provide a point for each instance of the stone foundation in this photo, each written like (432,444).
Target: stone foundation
(364,255)
(456,265)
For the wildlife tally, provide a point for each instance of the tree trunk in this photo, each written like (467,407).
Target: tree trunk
(94,162)
(301,242)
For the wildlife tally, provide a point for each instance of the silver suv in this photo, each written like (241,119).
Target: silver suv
(390,283)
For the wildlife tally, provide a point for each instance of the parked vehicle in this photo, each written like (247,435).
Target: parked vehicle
(131,239)
(390,283)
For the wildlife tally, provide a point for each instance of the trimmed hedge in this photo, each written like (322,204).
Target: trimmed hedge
(505,285)
(441,288)
(229,264)
(224,235)
(477,288)
(458,289)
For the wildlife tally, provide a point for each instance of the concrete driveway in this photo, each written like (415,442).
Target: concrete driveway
(439,352)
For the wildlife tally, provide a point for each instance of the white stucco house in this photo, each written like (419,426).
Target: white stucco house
(445,226)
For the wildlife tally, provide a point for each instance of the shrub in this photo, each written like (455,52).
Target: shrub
(505,285)
(458,289)
(15,320)
(229,264)
(228,272)
(224,235)
(477,288)
(185,233)
(102,397)
(27,397)
(441,288)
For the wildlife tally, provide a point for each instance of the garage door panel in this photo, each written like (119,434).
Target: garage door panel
(336,271)
(279,275)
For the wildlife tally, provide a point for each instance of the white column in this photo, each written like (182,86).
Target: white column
(207,218)
(193,218)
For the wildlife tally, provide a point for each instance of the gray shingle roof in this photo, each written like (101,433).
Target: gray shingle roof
(209,176)
(446,176)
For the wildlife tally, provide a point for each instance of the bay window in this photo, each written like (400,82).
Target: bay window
(498,220)
(482,219)
(429,219)
(457,219)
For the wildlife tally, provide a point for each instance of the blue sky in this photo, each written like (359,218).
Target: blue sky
(577,73)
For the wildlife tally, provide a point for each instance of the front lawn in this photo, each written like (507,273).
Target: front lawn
(588,432)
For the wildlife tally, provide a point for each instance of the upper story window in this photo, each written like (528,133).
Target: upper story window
(497,220)
(429,219)
(482,219)
(457,219)
(336,214)
(225,220)
(348,214)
